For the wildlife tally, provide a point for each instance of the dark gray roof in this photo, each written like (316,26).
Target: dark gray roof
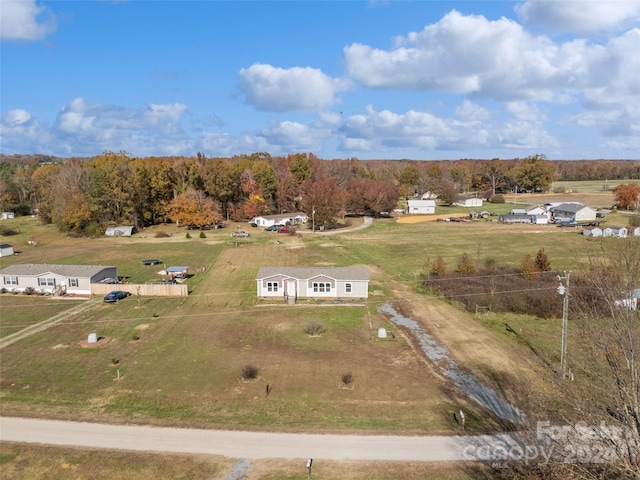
(569,207)
(337,273)
(35,269)
(5,245)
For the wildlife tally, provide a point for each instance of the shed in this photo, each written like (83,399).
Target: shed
(6,250)
(175,270)
(7,215)
(469,201)
(121,231)
(421,207)
(592,232)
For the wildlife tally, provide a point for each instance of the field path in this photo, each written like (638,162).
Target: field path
(250,445)
(49,322)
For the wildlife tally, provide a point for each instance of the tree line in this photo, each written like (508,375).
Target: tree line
(82,196)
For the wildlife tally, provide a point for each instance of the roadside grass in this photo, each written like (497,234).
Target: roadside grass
(20,461)
(591,186)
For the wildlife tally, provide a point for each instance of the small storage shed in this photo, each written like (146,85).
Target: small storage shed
(6,250)
(121,231)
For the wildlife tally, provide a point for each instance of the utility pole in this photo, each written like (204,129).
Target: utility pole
(564,291)
(313,219)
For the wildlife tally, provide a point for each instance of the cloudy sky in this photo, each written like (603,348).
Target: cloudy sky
(380,79)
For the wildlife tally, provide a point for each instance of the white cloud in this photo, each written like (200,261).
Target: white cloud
(25,20)
(470,111)
(469,54)
(299,89)
(580,16)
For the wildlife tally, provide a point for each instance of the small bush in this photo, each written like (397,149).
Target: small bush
(115,361)
(29,291)
(438,267)
(161,234)
(3,290)
(135,337)
(250,372)
(466,265)
(497,199)
(347,378)
(314,328)
(202,235)
(188,235)
(7,232)
(155,315)
(635,220)
(559,189)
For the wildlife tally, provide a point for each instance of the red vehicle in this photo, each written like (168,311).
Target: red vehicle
(284,230)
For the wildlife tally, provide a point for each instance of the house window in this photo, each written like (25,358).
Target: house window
(347,287)
(321,287)
(46,282)
(73,282)
(10,280)
(272,286)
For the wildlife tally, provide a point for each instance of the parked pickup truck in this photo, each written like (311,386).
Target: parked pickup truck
(241,234)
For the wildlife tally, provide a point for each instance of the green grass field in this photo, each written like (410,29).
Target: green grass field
(178,361)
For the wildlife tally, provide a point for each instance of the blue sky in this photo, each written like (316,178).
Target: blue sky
(372,80)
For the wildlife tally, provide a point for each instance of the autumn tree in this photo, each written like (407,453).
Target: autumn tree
(437,267)
(493,175)
(529,268)
(193,207)
(627,195)
(536,173)
(370,195)
(221,182)
(542,261)
(466,265)
(325,199)
(448,193)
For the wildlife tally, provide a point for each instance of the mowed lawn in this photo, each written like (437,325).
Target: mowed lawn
(179,361)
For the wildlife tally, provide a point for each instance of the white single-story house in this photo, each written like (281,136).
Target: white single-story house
(6,250)
(573,212)
(592,231)
(56,279)
(313,282)
(469,201)
(421,207)
(634,231)
(296,218)
(538,210)
(121,231)
(7,215)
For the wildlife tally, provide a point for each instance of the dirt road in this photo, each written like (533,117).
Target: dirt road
(250,445)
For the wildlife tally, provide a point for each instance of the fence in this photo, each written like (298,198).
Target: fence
(145,289)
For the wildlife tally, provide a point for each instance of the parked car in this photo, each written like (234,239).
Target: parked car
(115,296)
(273,228)
(284,230)
(241,234)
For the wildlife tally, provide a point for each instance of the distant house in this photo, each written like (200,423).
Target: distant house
(6,250)
(469,201)
(421,207)
(7,215)
(518,211)
(634,231)
(572,213)
(174,271)
(592,232)
(296,218)
(631,301)
(290,283)
(538,210)
(56,279)
(121,231)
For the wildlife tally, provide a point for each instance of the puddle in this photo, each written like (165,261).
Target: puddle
(439,355)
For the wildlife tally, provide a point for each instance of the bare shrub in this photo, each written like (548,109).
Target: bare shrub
(466,265)
(347,378)
(314,328)
(250,372)
(161,234)
(438,267)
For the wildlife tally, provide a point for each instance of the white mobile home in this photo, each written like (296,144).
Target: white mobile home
(313,282)
(55,279)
